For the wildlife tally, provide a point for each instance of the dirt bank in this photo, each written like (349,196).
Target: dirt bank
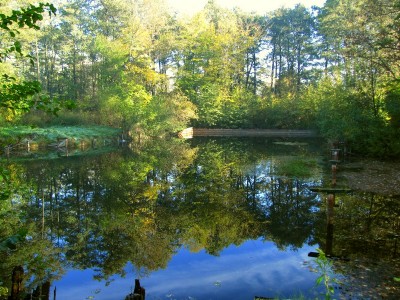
(372,176)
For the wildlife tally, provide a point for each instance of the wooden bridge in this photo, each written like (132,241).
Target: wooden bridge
(196,132)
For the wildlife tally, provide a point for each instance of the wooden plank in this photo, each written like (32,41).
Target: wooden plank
(334,161)
(331,189)
(193,132)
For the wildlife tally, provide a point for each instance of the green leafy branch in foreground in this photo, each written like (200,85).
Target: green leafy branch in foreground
(325,268)
(29,17)
(18,96)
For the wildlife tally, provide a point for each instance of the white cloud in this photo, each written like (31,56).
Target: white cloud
(255,266)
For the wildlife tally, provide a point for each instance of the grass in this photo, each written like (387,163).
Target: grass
(299,167)
(17,134)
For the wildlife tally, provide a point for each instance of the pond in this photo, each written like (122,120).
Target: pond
(207,218)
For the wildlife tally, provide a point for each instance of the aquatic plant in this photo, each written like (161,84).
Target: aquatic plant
(324,267)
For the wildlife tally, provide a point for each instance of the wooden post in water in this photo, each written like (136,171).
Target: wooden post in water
(330,207)
(334,170)
(331,203)
(334,160)
(335,152)
(139,292)
(46,290)
(16,282)
(41,292)
(329,224)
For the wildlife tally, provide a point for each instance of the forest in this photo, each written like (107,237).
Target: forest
(138,66)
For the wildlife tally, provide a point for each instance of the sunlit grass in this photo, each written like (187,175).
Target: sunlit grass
(13,135)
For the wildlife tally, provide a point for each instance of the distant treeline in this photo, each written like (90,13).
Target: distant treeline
(138,66)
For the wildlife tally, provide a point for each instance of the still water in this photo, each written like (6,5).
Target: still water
(200,219)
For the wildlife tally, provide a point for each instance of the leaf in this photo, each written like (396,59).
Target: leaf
(17,46)
(319,279)
(397,279)
(10,243)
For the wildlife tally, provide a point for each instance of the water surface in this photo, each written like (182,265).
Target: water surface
(209,218)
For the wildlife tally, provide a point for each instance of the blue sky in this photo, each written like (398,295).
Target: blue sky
(255,268)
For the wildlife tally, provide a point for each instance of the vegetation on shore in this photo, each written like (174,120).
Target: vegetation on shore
(137,66)
(14,136)
(132,67)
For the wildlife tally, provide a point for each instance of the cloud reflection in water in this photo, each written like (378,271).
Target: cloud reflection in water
(240,272)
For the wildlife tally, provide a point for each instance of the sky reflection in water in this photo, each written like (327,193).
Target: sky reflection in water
(255,268)
(223,192)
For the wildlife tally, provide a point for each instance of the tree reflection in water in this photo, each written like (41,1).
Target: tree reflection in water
(142,205)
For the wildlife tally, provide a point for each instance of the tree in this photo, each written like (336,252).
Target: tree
(16,95)
(363,59)
(217,65)
(291,33)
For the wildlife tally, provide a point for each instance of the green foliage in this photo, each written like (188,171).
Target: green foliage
(298,167)
(337,113)
(4,184)
(287,112)
(26,17)
(239,109)
(341,113)
(3,290)
(220,67)
(125,106)
(18,96)
(330,68)
(209,105)
(29,17)
(64,117)
(11,242)
(324,267)
(291,32)
(392,104)
(168,114)
(15,134)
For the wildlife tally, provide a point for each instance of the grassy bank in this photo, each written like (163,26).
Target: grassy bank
(21,136)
